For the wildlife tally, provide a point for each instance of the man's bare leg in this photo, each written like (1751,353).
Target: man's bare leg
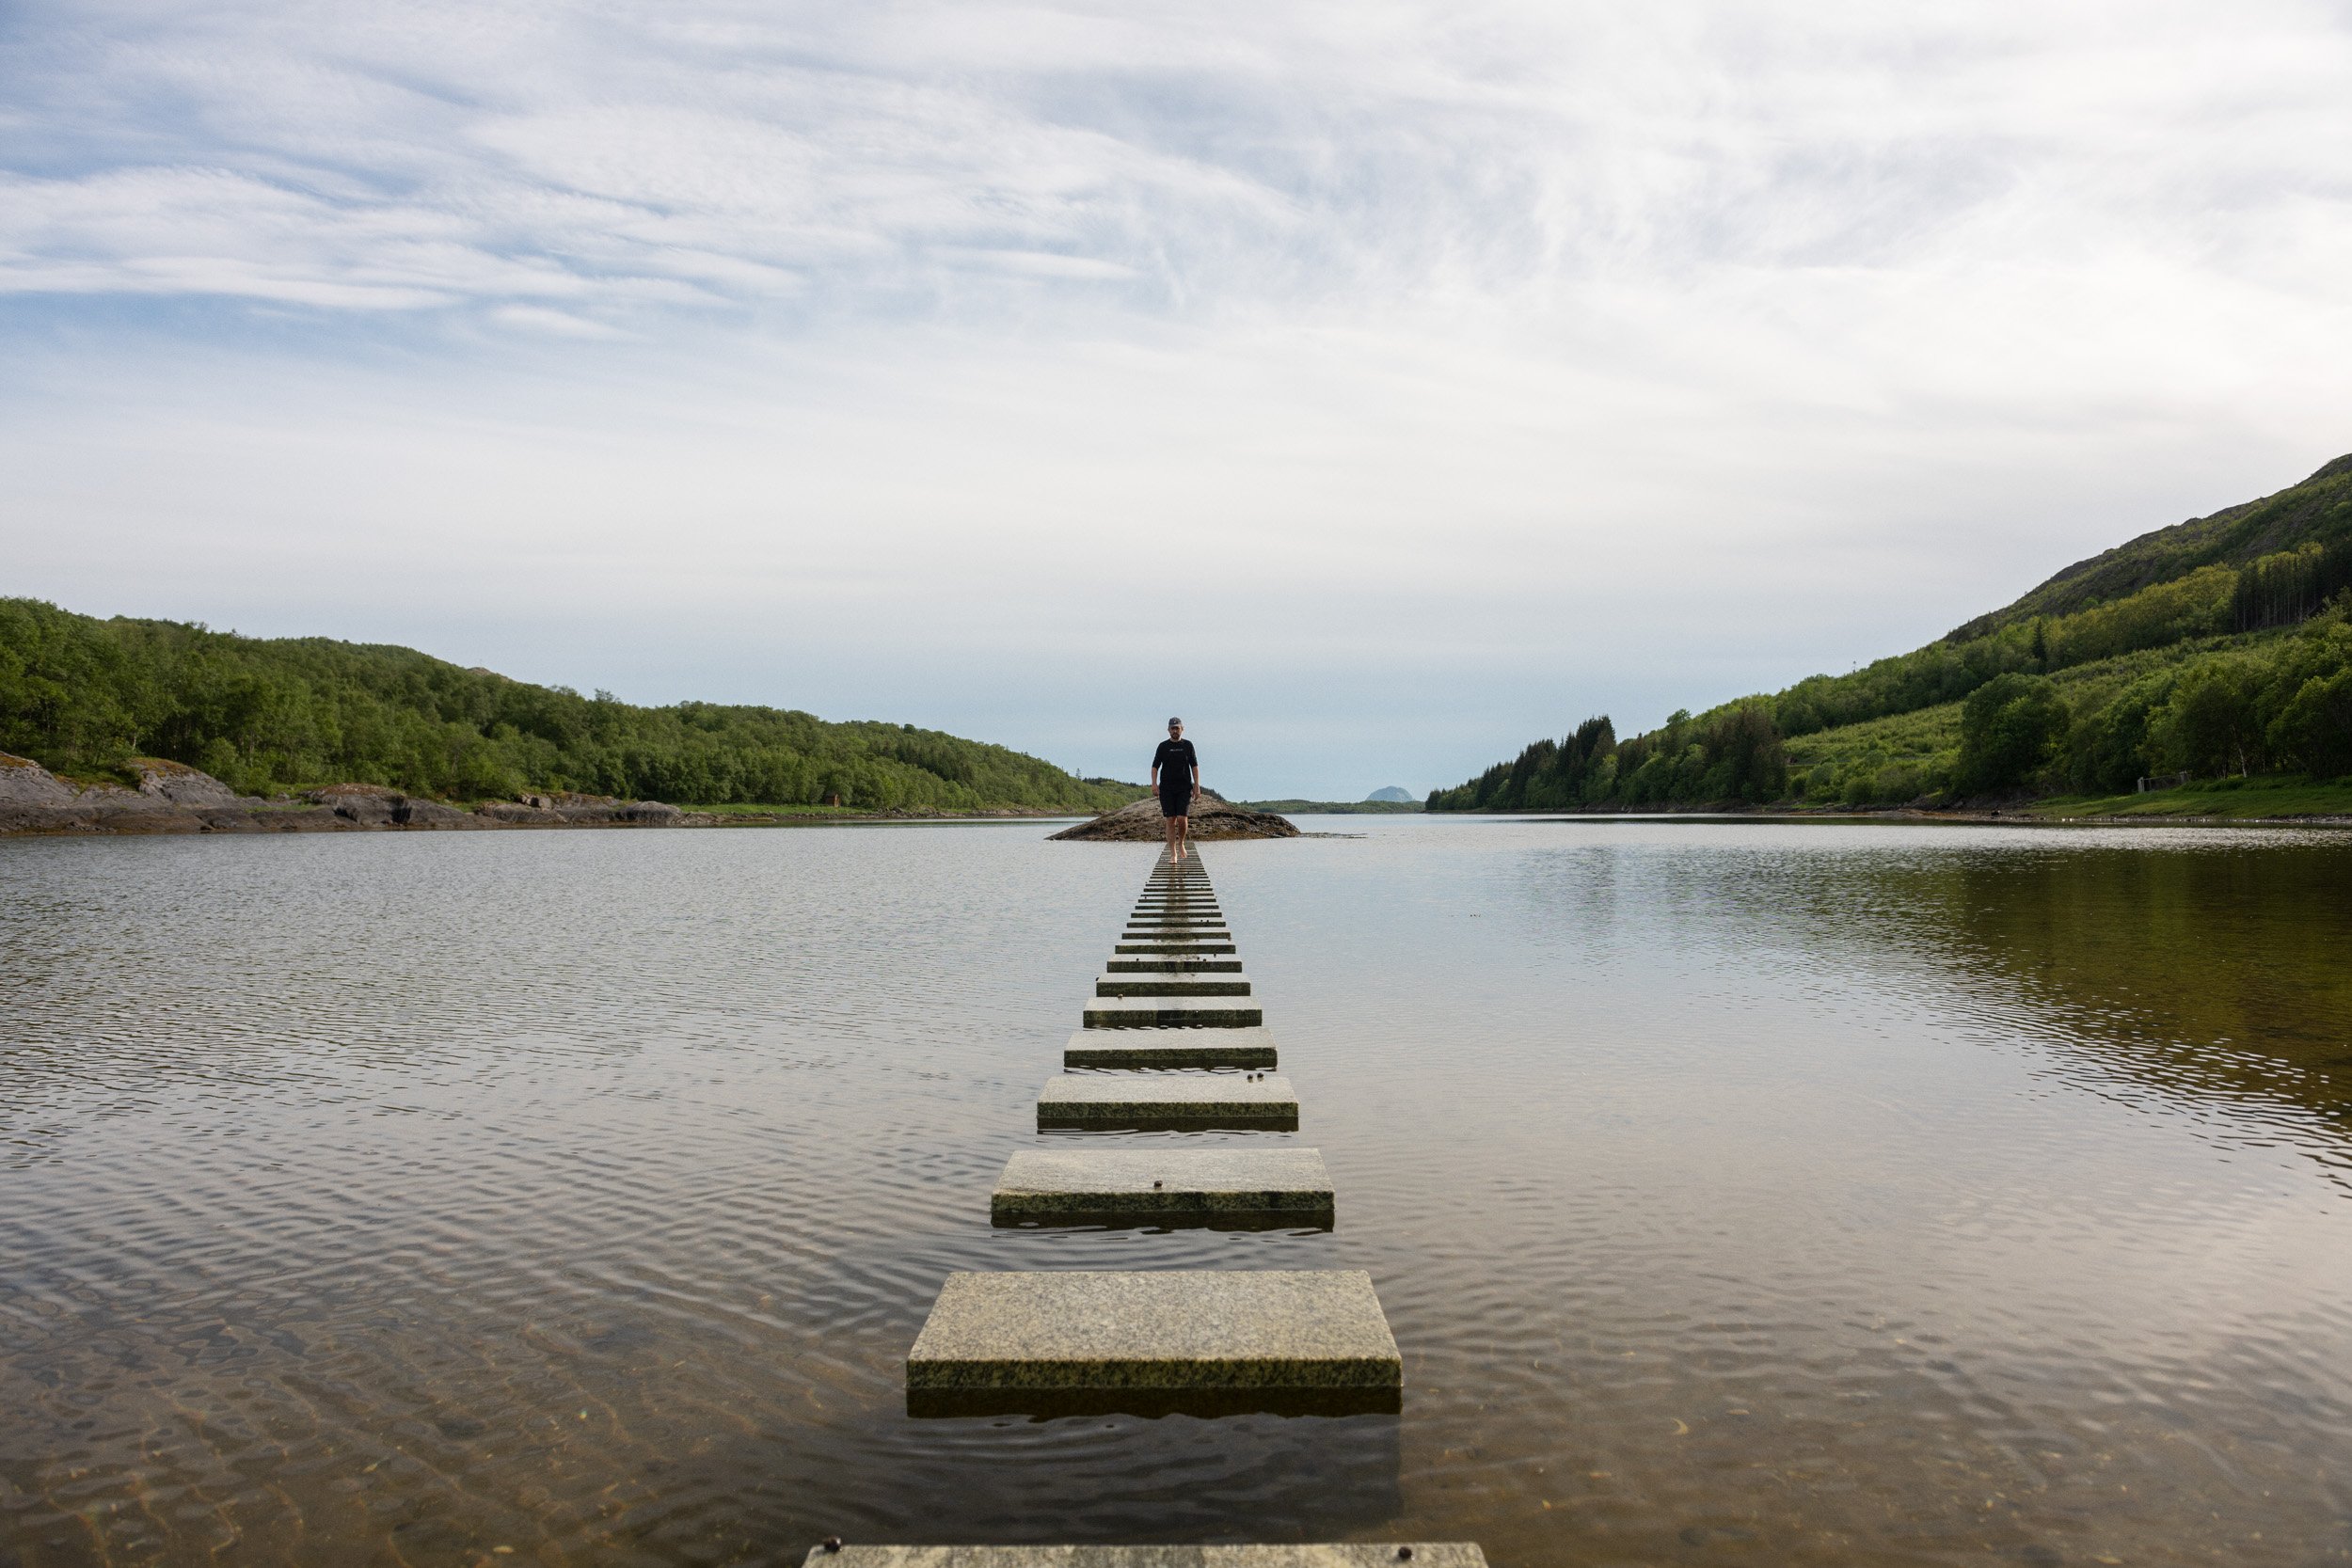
(1184,826)
(1169,824)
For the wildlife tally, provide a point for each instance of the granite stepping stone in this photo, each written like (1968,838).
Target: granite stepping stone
(1159,1330)
(1114,983)
(1052,1183)
(1171,1047)
(1262,1101)
(1173,1012)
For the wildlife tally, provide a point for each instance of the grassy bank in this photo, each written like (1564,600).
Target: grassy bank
(2272,797)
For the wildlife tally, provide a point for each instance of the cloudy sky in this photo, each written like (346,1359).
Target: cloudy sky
(1379,385)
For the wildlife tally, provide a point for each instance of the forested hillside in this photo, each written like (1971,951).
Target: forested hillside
(81,696)
(2218,646)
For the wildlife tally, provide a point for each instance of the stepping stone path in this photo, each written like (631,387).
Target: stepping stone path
(1173,1038)
(1352,1554)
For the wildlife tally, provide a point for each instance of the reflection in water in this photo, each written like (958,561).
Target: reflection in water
(1831,1195)
(2219,969)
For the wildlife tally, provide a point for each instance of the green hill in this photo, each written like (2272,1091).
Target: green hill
(81,696)
(2214,649)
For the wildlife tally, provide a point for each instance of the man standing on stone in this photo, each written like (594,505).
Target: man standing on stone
(1176,777)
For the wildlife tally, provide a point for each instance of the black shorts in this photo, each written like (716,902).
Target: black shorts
(1176,805)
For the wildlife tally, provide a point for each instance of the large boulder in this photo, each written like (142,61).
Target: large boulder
(179,785)
(1213,817)
(376,806)
(369,806)
(26,783)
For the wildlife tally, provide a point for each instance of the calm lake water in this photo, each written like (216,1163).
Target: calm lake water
(1738,1193)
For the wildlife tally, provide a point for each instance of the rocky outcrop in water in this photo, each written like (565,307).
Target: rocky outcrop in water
(173,797)
(1212,818)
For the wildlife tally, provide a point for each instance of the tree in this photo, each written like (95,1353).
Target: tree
(2315,729)
(2007,728)
(2210,725)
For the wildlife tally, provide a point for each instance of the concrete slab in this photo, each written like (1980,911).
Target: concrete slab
(1051,1183)
(1173,1012)
(1172,985)
(1176,923)
(1247,1100)
(1177,944)
(1174,964)
(1352,1554)
(1168,1329)
(1171,1047)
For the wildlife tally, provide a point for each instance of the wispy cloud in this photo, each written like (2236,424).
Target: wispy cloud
(628,156)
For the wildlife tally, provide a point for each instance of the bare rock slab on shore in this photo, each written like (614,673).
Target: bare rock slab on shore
(1044,1183)
(173,797)
(1353,1554)
(1163,1330)
(1212,819)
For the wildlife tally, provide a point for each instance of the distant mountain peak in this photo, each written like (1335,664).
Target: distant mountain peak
(1397,793)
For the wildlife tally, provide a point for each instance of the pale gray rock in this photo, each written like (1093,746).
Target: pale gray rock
(185,786)
(26,783)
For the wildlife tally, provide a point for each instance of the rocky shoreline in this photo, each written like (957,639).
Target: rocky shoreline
(173,797)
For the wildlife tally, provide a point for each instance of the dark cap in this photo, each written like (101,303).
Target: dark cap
(1174,722)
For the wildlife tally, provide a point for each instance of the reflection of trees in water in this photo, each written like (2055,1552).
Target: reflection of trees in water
(2208,967)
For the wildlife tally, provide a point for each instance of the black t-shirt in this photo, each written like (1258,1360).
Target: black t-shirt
(1175,761)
